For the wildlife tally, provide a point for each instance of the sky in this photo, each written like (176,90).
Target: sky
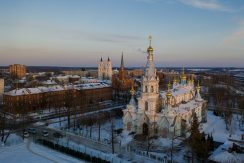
(197,33)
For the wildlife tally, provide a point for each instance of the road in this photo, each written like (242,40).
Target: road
(78,139)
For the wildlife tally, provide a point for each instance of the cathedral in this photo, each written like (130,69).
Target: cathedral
(105,71)
(163,113)
(122,83)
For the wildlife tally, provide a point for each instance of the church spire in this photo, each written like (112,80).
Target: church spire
(122,68)
(122,61)
(150,49)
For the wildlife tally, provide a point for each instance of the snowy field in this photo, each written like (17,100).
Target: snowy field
(105,129)
(222,155)
(25,151)
(216,126)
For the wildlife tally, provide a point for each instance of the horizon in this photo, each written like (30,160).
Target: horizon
(60,33)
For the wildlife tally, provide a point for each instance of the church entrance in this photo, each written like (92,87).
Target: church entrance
(164,132)
(145,129)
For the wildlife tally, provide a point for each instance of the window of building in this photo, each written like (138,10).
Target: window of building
(146,106)
(129,124)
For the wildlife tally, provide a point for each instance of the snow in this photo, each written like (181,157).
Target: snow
(166,142)
(30,152)
(125,138)
(198,69)
(222,155)
(216,126)
(13,140)
(179,90)
(42,89)
(105,130)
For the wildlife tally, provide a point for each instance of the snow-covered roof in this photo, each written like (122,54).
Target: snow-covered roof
(49,82)
(185,108)
(177,91)
(221,154)
(26,91)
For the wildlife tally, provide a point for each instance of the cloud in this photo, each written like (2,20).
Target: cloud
(205,4)
(201,4)
(236,37)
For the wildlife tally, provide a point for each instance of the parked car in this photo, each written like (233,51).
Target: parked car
(32,130)
(26,134)
(45,133)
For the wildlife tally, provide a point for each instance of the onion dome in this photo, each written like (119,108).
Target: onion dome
(150,49)
(198,87)
(183,76)
(168,94)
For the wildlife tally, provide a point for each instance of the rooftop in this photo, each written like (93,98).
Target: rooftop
(37,90)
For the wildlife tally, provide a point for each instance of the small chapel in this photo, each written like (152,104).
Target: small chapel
(163,113)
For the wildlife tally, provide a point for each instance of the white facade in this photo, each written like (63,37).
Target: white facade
(1,90)
(163,113)
(105,70)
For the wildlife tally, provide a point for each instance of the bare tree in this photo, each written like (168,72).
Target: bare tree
(228,119)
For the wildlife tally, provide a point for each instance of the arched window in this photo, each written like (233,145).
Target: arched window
(146,89)
(129,124)
(152,89)
(146,106)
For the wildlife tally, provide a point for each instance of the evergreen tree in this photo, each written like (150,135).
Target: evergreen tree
(195,138)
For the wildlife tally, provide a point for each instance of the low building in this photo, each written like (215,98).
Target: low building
(74,78)
(17,71)
(136,72)
(23,100)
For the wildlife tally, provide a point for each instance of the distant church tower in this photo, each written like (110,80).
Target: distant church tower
(105,69)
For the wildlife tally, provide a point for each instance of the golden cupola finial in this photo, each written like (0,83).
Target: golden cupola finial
(198,87)
(168,94)
(183,76)
(132,91)
(150,49)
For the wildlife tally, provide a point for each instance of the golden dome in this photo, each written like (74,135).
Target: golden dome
(150,49)
(168,94)
(183,77)
(198,87)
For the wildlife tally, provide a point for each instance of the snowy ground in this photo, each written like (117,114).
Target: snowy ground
(25,151)
(216,126)
(222,155)
(105,129)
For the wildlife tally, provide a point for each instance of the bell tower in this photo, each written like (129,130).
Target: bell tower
(149,85)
